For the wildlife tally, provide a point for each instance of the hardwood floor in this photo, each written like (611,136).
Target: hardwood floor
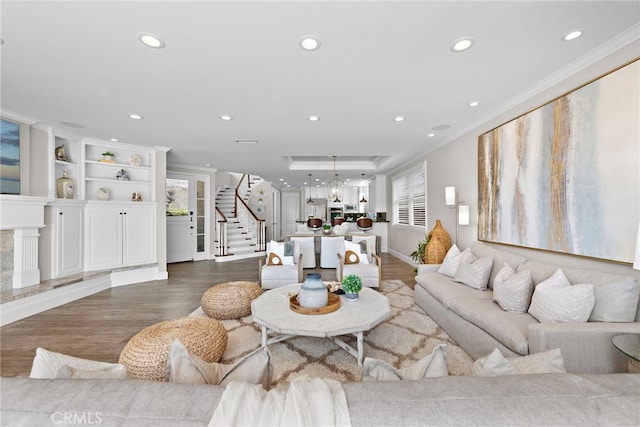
(99,326)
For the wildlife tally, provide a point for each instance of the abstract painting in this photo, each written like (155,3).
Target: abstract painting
(565,177)
(9,157)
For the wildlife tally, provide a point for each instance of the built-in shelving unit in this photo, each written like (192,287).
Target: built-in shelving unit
(135,162)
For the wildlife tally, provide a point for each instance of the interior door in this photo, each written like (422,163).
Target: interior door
(290,211)
(181,217)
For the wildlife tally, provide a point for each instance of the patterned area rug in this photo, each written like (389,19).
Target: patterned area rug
(406,336)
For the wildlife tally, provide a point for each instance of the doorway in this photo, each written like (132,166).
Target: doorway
(187,217)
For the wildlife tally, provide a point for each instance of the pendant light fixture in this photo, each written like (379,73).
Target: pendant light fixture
(310,200)
(363,200)
(335,188)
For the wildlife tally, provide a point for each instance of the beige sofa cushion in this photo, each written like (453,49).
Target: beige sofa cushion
(508,328)
(445,290)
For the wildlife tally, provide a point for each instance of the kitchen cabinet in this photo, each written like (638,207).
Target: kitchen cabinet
(119,235)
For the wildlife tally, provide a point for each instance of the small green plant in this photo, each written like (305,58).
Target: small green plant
(108,153)
(352,284)
(326,226)
(418,254)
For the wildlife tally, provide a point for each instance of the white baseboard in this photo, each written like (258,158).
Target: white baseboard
(133,276)
(28,306)
(402,257)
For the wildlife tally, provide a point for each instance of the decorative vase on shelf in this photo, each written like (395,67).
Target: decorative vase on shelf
(438,245)
(313,293)
(122,175)
(64,186)
(103,193)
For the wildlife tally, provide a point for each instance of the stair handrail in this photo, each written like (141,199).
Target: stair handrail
(256,227)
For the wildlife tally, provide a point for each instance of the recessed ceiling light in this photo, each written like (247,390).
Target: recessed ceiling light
(572,35)
(281,179)
(150,40)
(136,116)
(398,119)
(226,117)
(310,43)
(431,135)
(313,118)
(462,44)
(114,140)
(474,104)
(246,141)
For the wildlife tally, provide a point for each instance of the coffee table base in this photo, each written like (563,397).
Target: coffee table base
(358,352)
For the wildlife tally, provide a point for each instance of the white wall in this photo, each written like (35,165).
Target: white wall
(456,164)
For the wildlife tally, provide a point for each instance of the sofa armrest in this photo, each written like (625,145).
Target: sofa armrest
(378,260)
(428,268)
(340,268)
(586,347)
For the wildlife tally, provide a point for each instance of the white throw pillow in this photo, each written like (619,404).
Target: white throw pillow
(433,365)
(49,364)
(184,367)
(550,361)
(494,364)
(474,272)
(280,253)
(616,302)
(512,291)
(451,262)
(353,253)
(555,300)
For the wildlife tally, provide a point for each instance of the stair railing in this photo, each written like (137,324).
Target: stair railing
(221,232)
(256,227)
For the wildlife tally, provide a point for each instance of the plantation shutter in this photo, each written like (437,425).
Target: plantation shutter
(409,197)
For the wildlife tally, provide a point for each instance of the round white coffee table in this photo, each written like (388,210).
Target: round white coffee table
(272,312)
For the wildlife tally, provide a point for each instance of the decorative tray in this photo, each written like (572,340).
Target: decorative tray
(333,304)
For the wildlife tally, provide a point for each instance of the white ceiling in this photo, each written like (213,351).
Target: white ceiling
(81,62)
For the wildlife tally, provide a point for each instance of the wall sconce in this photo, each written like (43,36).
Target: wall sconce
(463,214)
(462,210)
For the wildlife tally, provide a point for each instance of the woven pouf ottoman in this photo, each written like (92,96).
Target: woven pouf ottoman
(145,355)
(230,300)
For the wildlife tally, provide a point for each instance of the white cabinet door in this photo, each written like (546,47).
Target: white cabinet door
(103,237)
(69,241)
(119,236)
(138,235)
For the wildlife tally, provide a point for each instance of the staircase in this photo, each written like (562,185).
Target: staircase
(241,241)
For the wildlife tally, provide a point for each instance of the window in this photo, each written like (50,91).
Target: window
(177,197)
(409,197)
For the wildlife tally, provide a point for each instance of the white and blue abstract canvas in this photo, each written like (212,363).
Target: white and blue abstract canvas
(566,176)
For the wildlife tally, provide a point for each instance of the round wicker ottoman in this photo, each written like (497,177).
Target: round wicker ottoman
(230,300)
(145,355)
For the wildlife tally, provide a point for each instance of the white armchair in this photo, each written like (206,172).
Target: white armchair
(368,264)
(283,269)
(308,249)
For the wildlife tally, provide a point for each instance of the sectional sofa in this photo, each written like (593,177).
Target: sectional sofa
(523,400)
(479,324)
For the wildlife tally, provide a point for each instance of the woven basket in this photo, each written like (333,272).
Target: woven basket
(230,300)
(438,246)
(145,355)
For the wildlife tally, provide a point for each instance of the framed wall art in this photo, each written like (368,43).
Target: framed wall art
(565,177)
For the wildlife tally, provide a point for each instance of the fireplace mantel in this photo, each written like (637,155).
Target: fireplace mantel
(24,215)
